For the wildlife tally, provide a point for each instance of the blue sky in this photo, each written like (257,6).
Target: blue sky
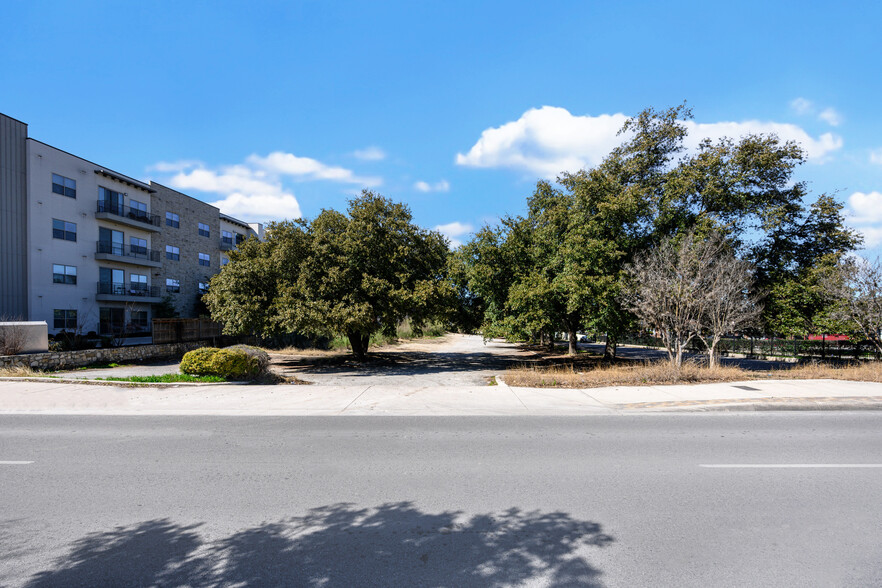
(456,108)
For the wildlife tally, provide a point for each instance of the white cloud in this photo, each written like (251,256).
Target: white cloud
(865,214)
(454,230)
(249,194)
(372,153)
(831,116)
(442,186)
(876,156)
(306,168)
(260,207)
(255,190)
(549,140)
(802,106)
(174,166)
(865,208)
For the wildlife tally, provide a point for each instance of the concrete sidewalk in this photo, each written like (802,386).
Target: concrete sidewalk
(46,397)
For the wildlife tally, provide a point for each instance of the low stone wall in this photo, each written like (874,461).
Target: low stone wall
(55,360)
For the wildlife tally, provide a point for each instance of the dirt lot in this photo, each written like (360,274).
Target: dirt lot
(452,360)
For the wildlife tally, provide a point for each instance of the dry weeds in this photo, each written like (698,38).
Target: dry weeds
(660,373)
(20,371)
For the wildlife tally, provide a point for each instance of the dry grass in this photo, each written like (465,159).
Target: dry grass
(21,371)
(660,373)
(866,371)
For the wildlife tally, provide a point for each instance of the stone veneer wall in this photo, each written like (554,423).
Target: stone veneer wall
(186,238)
(54,360)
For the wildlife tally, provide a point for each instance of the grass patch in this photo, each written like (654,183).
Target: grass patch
(661,372)
(166,379)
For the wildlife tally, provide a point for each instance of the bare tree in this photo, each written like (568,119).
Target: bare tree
(13,335)
(691,288)
(855,288)
(667,293)
(730,304)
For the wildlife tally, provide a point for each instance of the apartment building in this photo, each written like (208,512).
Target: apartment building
(86,248)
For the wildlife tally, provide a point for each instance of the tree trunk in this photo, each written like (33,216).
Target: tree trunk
(613,344)
(358,344)
(573,338)
(551,340)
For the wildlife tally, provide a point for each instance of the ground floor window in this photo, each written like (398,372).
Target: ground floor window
(140,320)
(65,319)
(111,321)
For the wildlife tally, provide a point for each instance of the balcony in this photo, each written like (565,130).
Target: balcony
(125,215)
(131,254)
(121,292)
(226,244)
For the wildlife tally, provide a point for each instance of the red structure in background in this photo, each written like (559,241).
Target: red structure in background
(828,337)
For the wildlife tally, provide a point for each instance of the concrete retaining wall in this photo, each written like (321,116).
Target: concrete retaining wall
(72,359)
(33,336)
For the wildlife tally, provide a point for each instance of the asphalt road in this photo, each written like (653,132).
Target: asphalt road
(456,501)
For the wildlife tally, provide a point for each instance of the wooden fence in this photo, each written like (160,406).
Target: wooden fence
(179,330)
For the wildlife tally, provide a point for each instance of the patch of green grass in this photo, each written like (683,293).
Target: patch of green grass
(166,379)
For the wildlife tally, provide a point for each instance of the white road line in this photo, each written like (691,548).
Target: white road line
(790,465)
(15,462)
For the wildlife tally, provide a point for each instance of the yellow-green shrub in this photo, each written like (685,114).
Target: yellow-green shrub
(230,363)
(199,361)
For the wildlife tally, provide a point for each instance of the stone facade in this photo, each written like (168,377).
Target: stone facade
(55,360)
(190,243)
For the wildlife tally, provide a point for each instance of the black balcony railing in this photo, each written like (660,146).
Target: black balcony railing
(226,243)
(132,289)
(128,212)
(135,251)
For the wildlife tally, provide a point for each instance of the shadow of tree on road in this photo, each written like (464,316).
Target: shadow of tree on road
(342,545)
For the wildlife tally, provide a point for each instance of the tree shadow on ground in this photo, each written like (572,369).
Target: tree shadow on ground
(401,363)
(341,545)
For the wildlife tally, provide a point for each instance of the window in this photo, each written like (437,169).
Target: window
(138,246)
(139,209)
(224,261)
(65,319)
(172,253)
(239,238)
(111,321)
(64,274)
(204,230)
(172,220)
(139,319)
(64,230)
(109,201)
(227,237)
(64,186)
(111,281)
(203,287)
(172,285)
(204,259)
(110,241)
(137,283)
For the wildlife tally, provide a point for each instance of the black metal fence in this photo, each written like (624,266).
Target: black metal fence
(776,347)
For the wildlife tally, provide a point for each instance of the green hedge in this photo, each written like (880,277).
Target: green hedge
(239,362)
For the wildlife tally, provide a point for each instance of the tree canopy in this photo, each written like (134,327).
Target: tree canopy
(560,267)
(347,274)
